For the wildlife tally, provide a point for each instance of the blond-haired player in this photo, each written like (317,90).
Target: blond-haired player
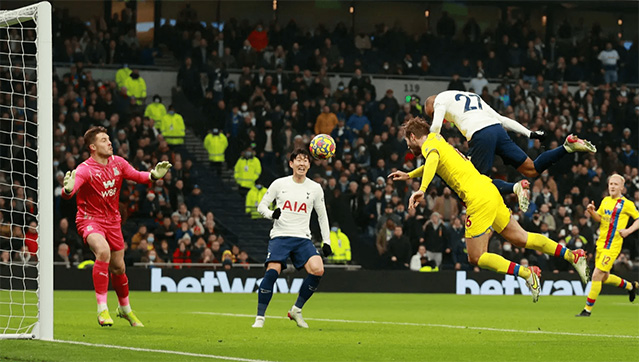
(485,207)
(613,214)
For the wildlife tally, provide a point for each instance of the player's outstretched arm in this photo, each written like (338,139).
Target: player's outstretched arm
(514,126)
(398,176)
(160,170)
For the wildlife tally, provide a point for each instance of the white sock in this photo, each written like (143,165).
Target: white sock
(126,308)
(259,317)
(102,307)
(295,309)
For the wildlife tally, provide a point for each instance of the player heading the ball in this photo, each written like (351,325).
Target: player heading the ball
(486,210)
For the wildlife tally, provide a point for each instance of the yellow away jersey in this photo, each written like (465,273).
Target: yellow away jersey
(456,170)
(614,216)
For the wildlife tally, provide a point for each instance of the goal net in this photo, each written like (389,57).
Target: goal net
(26,171)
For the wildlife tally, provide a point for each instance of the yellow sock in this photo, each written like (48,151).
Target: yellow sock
(541,243)
(615,281)
(500,265)
(595,289)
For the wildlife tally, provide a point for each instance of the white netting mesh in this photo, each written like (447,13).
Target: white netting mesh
(19,216)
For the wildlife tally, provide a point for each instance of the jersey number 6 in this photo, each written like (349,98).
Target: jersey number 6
(467,106)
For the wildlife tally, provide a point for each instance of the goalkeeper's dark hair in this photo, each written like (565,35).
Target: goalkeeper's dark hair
(91,134)
(417,126)
(300,151)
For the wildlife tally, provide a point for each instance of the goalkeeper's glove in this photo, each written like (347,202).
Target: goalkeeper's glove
(276,213)
(326,249)
(69,182)
(160,170)
(539,135)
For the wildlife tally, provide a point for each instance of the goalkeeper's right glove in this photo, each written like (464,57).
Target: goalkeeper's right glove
(276,213)
(69,182)
(539,135)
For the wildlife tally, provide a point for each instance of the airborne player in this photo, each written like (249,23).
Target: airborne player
(486,209)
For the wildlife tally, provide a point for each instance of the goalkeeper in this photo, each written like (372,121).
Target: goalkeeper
(97,183)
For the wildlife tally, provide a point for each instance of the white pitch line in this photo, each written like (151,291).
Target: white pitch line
(188,354)
(435,325)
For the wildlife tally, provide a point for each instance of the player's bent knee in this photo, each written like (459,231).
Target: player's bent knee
(118,270)
(528,168)
(473,260)
(531,173)
(103,255)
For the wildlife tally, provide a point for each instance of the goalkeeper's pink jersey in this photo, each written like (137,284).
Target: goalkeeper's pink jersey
(97,188)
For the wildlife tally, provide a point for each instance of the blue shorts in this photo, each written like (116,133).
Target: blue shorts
(490,141)
(299,249)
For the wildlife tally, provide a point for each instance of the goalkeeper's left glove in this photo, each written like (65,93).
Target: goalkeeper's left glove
(326,249)
(160,170)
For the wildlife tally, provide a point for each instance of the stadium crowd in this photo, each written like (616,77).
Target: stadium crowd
(268,112)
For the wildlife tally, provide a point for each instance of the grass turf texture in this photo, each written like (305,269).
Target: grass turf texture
(179,322)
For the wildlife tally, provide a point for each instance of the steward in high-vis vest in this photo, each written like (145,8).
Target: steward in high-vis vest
(253,198)
(136,87)
(122,75)
(247,169)
(173,128)
(341,246)
(156,111)
(216,143)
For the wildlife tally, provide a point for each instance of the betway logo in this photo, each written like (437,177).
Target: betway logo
(509,285)
(212,280)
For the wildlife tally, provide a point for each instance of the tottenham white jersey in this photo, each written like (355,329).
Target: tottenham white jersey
(296,201)
(467,111)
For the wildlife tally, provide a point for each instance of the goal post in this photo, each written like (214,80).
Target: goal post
(26,166)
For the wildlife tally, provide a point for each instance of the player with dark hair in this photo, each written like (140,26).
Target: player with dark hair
(484,128)
(486,210)
(295,196)
(613,214)
(97,183)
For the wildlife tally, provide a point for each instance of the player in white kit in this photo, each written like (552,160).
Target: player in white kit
(295,196)
(484,128)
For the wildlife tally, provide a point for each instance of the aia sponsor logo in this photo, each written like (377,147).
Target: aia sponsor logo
(295,207)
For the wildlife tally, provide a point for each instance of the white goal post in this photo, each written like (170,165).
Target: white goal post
(26,170)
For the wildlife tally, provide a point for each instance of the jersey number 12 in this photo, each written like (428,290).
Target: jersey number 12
(467,106)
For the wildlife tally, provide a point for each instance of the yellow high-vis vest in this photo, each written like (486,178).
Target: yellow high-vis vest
(216,145)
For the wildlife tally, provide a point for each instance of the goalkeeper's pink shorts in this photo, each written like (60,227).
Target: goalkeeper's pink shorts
(112,233)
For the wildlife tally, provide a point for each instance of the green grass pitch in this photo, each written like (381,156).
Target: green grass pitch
(343,327)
